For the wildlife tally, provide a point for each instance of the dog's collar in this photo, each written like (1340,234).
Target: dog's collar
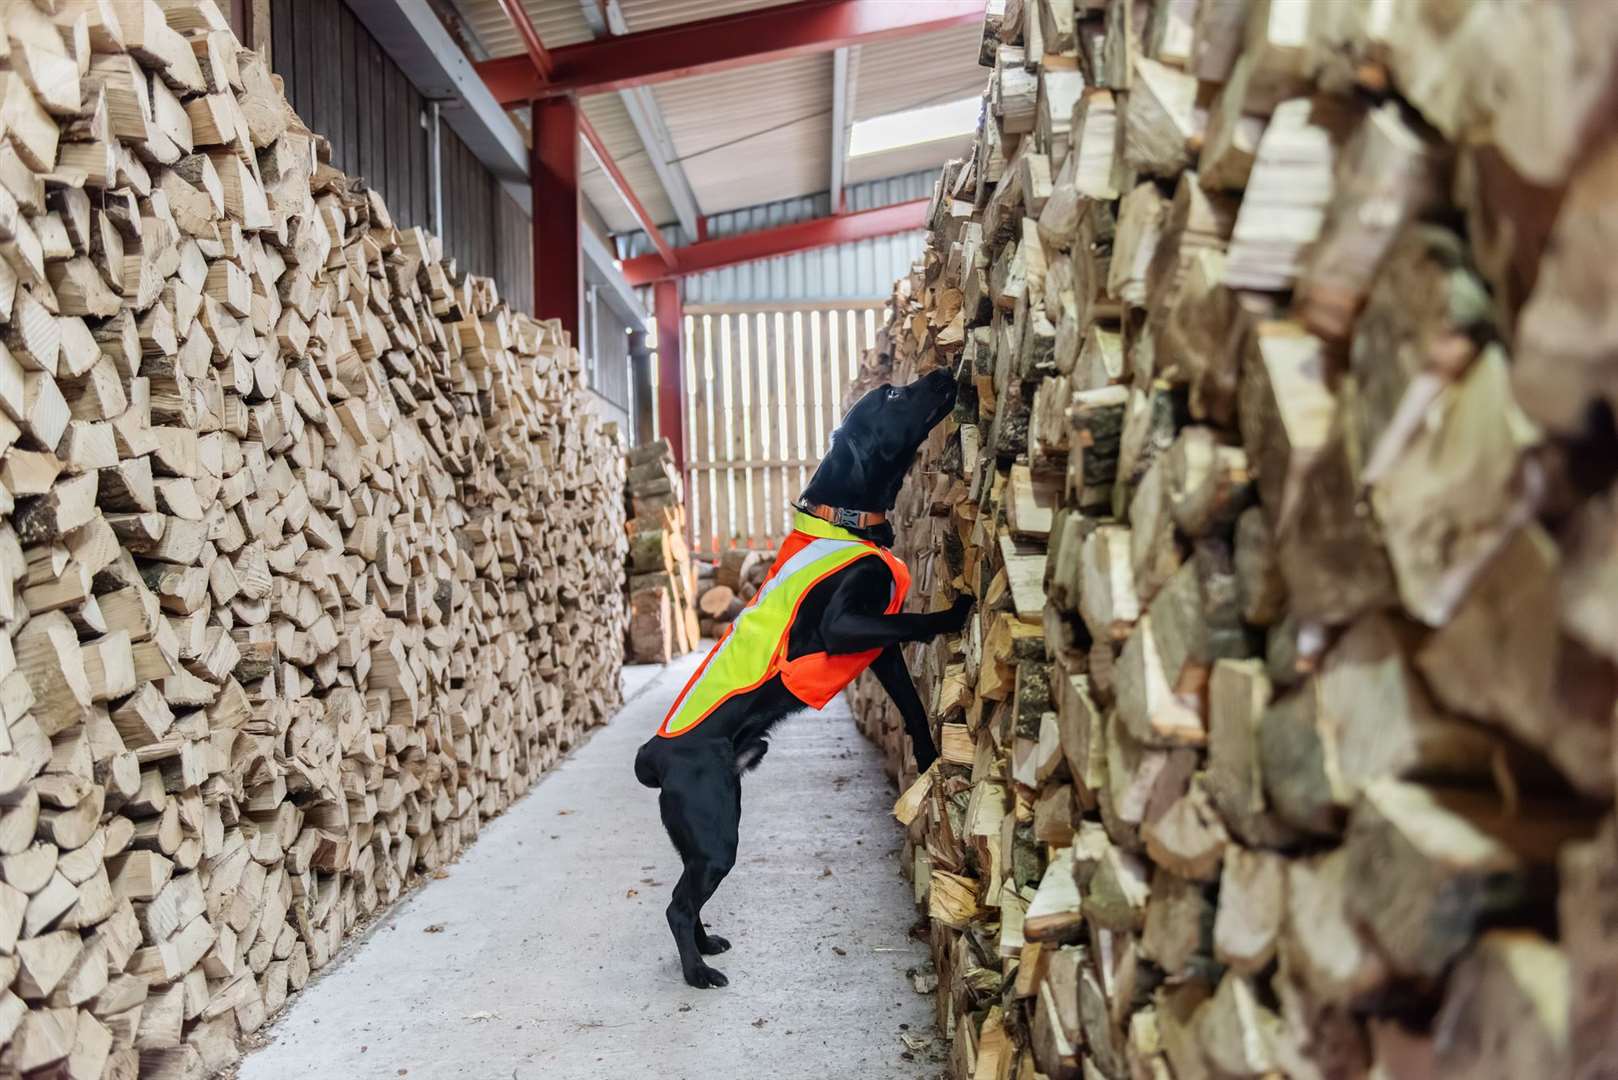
(843,517)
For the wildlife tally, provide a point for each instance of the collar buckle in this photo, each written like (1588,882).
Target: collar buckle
(843,517)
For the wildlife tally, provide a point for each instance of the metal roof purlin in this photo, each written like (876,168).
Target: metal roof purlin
(843,70)
(717,44)
(607,19)
(625,192)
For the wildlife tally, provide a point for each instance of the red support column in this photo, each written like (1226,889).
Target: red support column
(671,366)
(554,172)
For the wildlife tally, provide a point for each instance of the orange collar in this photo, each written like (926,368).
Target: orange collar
(847,519)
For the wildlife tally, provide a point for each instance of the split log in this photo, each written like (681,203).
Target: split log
(1514,982)
(1433,844)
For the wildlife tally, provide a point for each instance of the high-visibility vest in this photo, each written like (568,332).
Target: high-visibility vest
(755,647)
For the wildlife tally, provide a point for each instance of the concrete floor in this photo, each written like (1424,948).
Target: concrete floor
(545,952)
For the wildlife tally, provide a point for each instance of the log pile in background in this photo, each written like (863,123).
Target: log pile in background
(1281,743)
(737,577)
(663,617)
(310,554)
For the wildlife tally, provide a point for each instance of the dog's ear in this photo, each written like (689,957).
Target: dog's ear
(842,478)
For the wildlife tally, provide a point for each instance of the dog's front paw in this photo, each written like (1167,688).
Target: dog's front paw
(955,618)
(712,945)
(704,977)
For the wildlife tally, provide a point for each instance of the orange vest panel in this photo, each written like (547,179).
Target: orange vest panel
(754,647)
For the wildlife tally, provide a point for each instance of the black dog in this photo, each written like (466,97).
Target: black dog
(847,612)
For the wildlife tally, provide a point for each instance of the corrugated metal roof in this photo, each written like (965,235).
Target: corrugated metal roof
(928,69)
(652,14)
(896,76)
(861,271)
(559,22)
(562,22)
(606,112)
(753,134)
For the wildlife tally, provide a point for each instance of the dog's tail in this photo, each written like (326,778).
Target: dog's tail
(647,769)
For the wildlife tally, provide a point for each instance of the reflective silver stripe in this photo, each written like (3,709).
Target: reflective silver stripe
(809,553)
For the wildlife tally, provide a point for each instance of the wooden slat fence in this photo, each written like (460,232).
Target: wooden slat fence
(764,388)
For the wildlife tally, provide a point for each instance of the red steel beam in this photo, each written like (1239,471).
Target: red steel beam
(625,192)
(720,43)
(781,240)
(670,314)
(538,57)
(553,170)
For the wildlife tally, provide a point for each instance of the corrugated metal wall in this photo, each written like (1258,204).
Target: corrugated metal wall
(472,235)
(513,251)
(347,89)
(607,343)
(861,271)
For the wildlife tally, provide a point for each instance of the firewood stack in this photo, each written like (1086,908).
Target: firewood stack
(1284,332)
(662,585)
(737,577)
(311,549)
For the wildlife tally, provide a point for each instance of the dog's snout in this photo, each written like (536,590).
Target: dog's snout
(939,386)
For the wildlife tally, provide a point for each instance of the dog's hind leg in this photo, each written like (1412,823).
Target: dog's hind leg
(701,812)
(648,763)
(749,754)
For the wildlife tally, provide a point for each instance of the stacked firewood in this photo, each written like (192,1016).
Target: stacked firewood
(310,554)
(1283,472)
(662,584)
(737,577)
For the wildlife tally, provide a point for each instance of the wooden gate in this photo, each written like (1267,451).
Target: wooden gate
(764,388)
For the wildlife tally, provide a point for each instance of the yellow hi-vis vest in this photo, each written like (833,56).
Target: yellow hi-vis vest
(755,647)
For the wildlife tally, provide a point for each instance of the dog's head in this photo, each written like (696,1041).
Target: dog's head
(872,448)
